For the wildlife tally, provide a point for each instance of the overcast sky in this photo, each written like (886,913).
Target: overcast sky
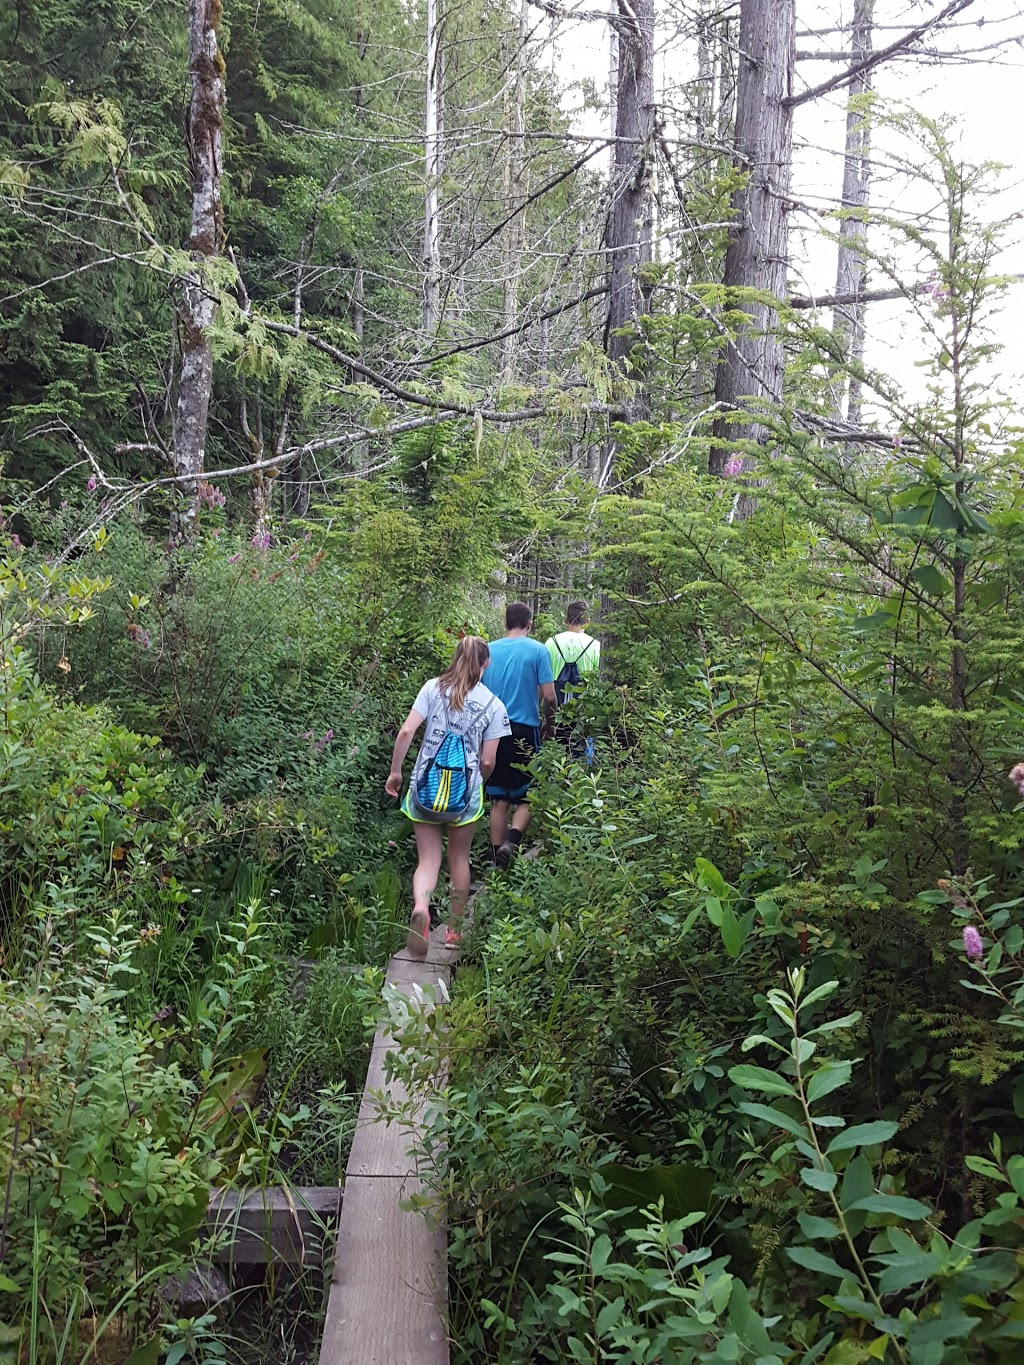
(984,94)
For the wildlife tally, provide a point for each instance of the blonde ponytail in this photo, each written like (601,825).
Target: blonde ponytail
(464,671)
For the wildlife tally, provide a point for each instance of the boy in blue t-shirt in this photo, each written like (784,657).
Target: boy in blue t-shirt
(519,675)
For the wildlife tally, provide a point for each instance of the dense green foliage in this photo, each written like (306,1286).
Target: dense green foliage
(733,1066)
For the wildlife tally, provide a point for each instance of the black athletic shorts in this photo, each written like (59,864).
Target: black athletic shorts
(511,779)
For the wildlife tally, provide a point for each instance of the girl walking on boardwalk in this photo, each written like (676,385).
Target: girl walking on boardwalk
(464,722)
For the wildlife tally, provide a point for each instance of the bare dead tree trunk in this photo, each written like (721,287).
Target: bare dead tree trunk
(432,167)
(630,230)
(197,305)
(515,192)
(848,319)
(726,81)
(749,378)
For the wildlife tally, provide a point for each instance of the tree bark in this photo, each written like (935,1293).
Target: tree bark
(848,319)
(515,193)
(432,167)
(197,306)
(750,371)
(629,234)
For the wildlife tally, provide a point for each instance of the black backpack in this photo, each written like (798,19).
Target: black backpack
(570,675)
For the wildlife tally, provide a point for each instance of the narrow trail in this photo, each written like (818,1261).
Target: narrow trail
(388,1302)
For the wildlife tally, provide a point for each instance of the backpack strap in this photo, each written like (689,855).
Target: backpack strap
(578,657)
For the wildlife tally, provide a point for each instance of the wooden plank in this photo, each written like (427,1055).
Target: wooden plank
(389,1295)
(388,1298)
(255,1227)
(406,971)
(380,1148)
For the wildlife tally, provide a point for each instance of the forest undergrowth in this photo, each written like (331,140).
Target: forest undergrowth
(733,1068)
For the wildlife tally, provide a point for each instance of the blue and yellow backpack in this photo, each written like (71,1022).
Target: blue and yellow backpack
(444,787)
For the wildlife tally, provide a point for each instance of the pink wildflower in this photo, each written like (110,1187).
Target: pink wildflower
(973,945)
(233,559)
(15,542)
(261,540)
(733,466)
(211,495)
(1017,778)
(934,287)
(92,483)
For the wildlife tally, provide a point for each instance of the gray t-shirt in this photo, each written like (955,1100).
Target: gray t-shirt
(482,717)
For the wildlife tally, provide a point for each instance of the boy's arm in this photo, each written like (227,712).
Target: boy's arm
(549,703)
(546,687)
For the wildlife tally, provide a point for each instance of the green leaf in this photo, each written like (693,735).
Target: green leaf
(934,583)
(878,620)
(819,993)
(845,1352)
(818,1229)
(8,1286)
(745,1322)
(944,517)
(898,1205)
(831,1025)
(709,877)
(600,1252)
(1015,1170)
(1009,1331)
(828,1078)
(146,1354)
(609,1316)
(863,1135)
(814,1260)
(775,1117)
(760,1078)
(858,1183)
(905,1270)
(732,938)
(945,1327)
(818,1180)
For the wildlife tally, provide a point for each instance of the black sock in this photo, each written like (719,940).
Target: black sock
(513,837)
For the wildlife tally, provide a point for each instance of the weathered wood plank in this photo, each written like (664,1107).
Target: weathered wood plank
(255,1227)
(389,1292)
(411,971)
(389,1295)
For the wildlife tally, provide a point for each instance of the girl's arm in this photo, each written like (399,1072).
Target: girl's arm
(403,739)
(488,755)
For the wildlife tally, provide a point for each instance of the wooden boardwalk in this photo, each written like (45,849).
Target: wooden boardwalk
(388,1302)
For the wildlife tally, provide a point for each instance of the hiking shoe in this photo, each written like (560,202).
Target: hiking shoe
(416,940)
(504,855)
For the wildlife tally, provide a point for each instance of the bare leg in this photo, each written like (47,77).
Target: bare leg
(499,822)
(424,880)
(521,818)
(460,838)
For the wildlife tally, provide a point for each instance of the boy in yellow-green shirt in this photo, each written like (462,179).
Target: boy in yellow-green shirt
(574,655)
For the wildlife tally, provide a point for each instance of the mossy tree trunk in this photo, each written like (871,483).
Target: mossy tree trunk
(197,303)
